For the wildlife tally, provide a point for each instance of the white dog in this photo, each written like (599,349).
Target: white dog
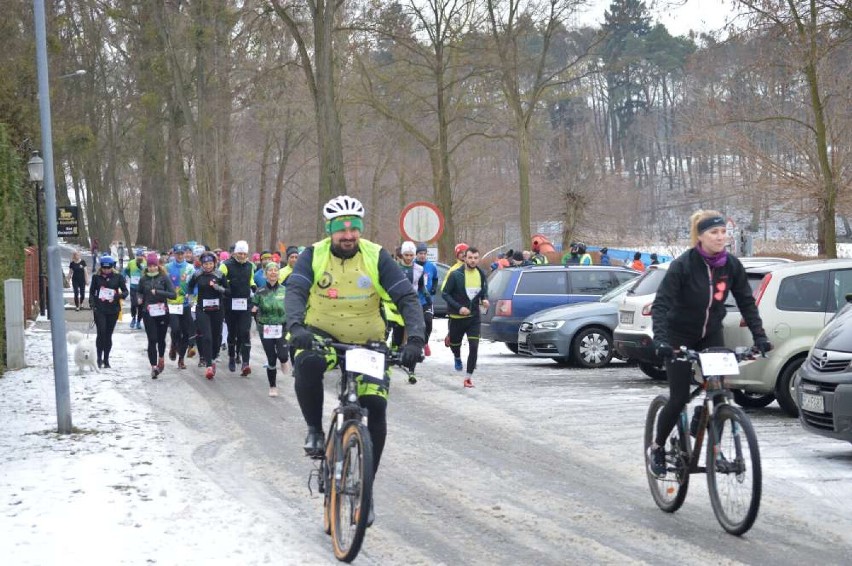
(74,337)
(84,357)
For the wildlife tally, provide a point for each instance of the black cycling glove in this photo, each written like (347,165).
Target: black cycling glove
(301,338)
(663,349)
(762,344)
(412,352)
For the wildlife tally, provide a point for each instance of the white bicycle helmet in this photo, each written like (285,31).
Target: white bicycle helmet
(343,205)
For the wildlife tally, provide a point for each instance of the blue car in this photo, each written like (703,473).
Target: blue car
(515,293)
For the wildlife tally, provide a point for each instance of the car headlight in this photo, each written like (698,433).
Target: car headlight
(549,324)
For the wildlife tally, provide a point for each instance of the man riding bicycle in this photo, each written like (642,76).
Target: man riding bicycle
(337,290)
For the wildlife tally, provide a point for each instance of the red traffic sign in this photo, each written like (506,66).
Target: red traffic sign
(421,221)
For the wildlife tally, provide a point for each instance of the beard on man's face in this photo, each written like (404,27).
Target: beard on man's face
(345,249)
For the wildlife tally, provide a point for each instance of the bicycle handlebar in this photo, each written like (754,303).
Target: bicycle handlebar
(392,358)
(684,354)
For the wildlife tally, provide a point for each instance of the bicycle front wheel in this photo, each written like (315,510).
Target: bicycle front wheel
(352,494)
(669,490)
(734,476)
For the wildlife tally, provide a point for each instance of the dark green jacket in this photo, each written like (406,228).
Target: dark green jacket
(270,305)
(455,292)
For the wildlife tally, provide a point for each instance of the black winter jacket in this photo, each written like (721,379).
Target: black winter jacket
(116,282)
(455,292)
(690,303)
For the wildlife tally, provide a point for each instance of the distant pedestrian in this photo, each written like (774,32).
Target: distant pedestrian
(584,258)
(605,256)
(637,262)
(654,260)
(79,277)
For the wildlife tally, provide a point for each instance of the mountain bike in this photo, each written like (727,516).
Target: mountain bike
(732,459)
(344,473)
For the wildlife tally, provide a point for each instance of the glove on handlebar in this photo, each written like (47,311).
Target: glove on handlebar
(412,352)
(663,349)
(300,337)
(763,344)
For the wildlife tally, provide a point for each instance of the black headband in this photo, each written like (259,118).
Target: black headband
(712,222)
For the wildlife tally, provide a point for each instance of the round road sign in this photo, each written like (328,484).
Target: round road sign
(421,221)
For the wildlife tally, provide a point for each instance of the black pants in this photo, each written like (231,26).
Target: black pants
(79,291)
(458,328)
(397,335)
(428,315)
(135,310)
(239,336)
(309,369)
(182,331)
(105,324)
(680,379)
(156,328)
(209,327)
(277,351)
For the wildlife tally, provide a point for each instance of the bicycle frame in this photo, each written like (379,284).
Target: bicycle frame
(714,395)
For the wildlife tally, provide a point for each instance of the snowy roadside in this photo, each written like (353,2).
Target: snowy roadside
(115,491)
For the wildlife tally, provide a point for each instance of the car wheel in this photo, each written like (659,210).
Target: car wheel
(652,371)
(513,346)
(783,389)
(562,361)
(592,348)
(752,400)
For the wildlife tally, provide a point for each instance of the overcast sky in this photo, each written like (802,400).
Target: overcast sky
(699,15)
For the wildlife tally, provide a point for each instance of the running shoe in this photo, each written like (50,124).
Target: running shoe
(161,364)
(314,442)
(154,372)
(468,383)
(210,372)
(273,392)
(191,352)
(232,364)
(426,350)
(459,365)
(173,353)
(245,370)
(657,461)
(181,365)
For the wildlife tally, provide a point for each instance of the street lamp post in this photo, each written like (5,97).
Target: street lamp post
(54,263)
(36,169)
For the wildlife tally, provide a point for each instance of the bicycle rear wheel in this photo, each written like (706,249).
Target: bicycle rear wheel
(734,476)
(352,493)
(668,491)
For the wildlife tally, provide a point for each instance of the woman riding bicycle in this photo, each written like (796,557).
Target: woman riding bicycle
(688,311)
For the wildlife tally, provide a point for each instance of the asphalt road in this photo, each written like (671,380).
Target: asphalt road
(536,465)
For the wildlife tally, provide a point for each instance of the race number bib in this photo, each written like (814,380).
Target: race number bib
(367,362)
(472,292)
(239,304)
(273,331)
(106,294)
(176,309)
(210,303)
(157,309)
(134,279)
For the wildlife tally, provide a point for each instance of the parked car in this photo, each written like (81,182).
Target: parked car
(439,305)
(514,293)
(795,301)
(823,385)
(580,333)
(633,337)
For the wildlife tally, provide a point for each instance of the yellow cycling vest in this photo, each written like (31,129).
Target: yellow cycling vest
(331,313)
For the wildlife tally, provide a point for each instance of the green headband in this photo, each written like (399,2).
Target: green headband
(344,222)
(271,265)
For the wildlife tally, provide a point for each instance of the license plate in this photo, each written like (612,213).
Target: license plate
(626,317)
(813,403)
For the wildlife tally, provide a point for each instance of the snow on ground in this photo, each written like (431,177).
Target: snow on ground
(113,492)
